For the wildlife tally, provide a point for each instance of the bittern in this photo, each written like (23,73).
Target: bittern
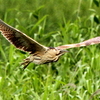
(39,54)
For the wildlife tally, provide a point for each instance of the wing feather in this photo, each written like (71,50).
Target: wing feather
(92,41)
(20,40)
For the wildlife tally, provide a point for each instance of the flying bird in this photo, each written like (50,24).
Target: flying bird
(39,54)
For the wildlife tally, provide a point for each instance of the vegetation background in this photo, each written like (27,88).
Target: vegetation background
(76,76)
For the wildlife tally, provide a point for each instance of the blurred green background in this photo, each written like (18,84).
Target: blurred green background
(76,76)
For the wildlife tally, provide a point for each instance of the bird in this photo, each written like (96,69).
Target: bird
(39,54)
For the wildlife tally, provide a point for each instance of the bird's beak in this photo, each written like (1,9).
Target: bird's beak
(63,51)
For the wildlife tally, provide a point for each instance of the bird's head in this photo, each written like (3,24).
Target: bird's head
(55,53)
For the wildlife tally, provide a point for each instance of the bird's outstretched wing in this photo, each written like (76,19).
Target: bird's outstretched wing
(92,41)
(20,40)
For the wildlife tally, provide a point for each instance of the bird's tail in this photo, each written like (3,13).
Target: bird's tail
(25,63)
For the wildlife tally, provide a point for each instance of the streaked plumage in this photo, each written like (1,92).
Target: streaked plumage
(39,54)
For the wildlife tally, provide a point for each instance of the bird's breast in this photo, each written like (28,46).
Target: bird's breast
(46,57)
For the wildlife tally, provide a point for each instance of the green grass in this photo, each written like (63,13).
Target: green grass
(76,76)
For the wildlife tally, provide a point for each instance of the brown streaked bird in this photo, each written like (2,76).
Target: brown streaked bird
(39,54)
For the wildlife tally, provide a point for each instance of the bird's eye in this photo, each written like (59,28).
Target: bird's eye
(60,52)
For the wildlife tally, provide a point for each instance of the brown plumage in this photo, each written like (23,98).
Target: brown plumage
(39,54)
